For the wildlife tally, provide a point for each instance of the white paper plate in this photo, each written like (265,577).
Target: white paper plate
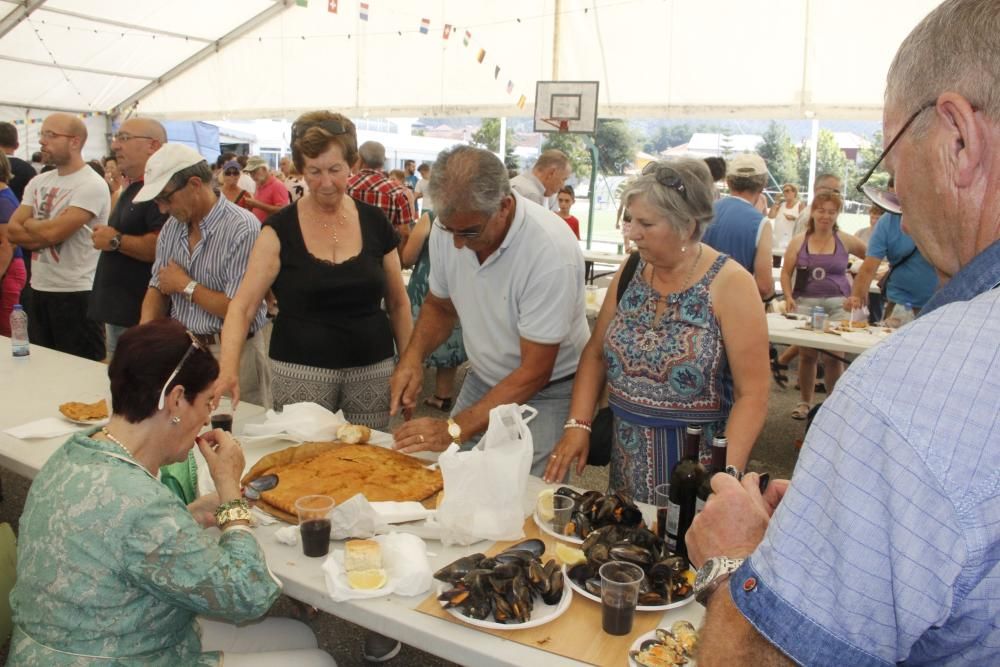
(541,613)
(642,607)
(638,642)
(781,323)
(864,337)
(86,422)
(547,529)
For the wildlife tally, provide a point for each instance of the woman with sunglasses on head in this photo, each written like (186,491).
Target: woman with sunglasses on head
(330,261)
(231,189)
(112,567)
(685,345)
(819,260)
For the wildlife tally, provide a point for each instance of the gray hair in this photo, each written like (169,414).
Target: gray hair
(956,47)
(552,158)
(201,170)
(688,212)
(750,184)
(372,154)
(466,179)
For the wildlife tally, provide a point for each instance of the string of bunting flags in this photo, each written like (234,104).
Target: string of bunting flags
(32,121)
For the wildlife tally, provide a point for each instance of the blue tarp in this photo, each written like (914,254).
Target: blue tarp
(203,137)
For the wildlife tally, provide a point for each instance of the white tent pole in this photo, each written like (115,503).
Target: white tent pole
(556,26)
(22,11)
(813,143)
(503,138)
(129,26)
(75,68)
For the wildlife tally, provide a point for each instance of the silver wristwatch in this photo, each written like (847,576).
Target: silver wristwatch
(712,574)
(189,290)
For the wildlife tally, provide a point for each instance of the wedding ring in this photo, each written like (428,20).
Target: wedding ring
(553,457)
(421,436)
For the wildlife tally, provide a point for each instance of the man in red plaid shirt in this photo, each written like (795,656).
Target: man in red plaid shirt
(370,185)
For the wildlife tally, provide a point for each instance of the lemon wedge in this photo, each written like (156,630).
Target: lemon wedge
(367,580)
(544,506)
(570,556)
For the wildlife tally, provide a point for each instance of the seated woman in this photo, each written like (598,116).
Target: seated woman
(686,345)
(819,258)
(112,568)
(330,261)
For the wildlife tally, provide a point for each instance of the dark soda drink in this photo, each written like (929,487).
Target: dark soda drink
(617,620)
(315,537)
(661,522)
(225,422)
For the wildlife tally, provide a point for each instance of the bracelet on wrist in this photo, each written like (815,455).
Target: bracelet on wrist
(234,510)
(578,423)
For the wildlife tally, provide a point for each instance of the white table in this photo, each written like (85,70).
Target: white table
(32,388)
(592,257)
(781,330)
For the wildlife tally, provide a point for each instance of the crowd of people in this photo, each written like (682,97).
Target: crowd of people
(880,550)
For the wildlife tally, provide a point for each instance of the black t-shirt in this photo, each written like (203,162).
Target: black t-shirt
(330,315)
(121,281)
(20,173)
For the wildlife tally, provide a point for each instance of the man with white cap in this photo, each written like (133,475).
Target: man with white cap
(739,229)
(201,257)
(271,195)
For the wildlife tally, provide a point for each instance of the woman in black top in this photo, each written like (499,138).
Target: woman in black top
(330,261)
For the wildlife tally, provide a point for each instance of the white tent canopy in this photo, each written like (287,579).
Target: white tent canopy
(274,58)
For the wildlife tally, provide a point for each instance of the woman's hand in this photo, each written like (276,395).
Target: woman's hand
(790,306)
(225,461)
(226,384)
(573,446)
(203,509)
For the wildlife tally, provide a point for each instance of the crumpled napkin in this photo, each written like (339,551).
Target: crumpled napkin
(301,421)
(48,427)
(288,535)
(355,517)
(404,558)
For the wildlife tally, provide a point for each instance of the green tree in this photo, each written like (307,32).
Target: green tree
(488,137)
(829,160)
(574,146)
(667,137)
(616,145)
(869,155)
(779,154)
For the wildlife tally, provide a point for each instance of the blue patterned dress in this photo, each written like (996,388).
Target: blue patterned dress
(663,376)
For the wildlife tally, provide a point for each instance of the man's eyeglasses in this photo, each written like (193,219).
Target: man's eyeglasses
(195,345)
(666,177)
(330,125)
(49,135)
(467,234)
(124,137)
(165,198)
(884,198)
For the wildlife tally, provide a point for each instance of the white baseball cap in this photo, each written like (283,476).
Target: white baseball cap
(746,164)
(162,165)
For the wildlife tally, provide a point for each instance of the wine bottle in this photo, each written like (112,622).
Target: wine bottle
(685,479)
(719,444)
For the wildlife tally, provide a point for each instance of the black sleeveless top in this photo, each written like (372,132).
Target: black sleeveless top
(330,315)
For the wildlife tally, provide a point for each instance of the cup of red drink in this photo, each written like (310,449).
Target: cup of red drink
(619,595)
(314,524)
(222,415)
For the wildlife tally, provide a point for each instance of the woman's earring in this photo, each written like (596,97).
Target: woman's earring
(175,420)
(684,248)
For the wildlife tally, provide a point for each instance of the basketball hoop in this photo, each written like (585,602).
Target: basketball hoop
(561,124)
(566,106)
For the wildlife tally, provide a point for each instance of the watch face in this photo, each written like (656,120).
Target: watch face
(706,572)
(454,430)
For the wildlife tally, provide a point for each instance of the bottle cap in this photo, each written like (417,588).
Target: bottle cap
(694,429)
(719,441)
(18,306)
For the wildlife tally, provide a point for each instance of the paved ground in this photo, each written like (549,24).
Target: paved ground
(775,452)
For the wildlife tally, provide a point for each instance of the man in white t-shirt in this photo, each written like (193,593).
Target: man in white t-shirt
(513,273)
(55,221)
(420,190)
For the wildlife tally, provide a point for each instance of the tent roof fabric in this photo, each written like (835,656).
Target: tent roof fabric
(276,58)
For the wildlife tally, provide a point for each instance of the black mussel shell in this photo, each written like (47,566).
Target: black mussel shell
(535,546)
(264,483)
(454,571)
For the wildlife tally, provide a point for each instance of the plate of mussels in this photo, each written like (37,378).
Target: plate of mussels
(665,647)
(591,509)
(512,590)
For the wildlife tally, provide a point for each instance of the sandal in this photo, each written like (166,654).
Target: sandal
(438,403)
(801,411)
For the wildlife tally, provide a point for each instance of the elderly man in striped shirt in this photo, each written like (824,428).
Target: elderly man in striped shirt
(885,549)
(201,256)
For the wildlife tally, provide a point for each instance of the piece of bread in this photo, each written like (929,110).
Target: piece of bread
(353,434)
(362,555)
(85,411)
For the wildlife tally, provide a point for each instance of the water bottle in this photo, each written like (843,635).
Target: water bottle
(818,318)
(19,332)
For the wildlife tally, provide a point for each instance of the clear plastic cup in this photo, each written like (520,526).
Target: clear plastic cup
(314,524)
(619,595)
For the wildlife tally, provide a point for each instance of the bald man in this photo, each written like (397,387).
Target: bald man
(128,242)
(59,212)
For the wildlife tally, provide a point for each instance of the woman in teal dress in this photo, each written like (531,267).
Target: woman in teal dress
(685,345)
(451,353)
(112,567)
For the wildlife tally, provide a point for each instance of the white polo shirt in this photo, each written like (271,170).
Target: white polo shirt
(531,287)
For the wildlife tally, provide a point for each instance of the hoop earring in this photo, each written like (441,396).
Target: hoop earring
(175,421)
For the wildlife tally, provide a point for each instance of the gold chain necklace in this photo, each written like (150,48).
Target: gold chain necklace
(118,442)
(687,278)
(341,220)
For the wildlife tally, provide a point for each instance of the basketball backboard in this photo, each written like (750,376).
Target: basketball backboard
(566,106)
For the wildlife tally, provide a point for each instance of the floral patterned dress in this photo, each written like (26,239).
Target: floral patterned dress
(663,375)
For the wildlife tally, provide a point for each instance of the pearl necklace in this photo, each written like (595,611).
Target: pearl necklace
(118,442)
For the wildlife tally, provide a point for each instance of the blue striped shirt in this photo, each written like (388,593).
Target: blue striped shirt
(218,262)
(886,548)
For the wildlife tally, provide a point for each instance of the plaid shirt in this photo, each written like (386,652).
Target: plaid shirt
(372,187)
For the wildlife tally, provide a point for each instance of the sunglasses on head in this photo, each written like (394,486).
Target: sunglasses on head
(666,177)
(195,345)
(330,125)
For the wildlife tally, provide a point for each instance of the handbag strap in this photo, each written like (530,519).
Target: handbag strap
(627,273)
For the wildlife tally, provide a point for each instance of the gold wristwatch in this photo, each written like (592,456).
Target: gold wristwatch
(455,432)
(234,510)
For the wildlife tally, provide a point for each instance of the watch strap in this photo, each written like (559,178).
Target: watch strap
(189,290)
(116,242)
(454,431)
(712,575)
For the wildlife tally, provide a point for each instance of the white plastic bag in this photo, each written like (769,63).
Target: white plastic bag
(484,487)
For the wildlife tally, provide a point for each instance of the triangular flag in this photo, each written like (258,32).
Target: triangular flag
(425,26)
(496,72)
(363,11)
(480,56)
(447,31)
(510,87)
(468,36)
(331,6)
(520,102)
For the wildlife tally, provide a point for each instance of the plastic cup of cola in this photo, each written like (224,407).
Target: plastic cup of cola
(619,594)
(222,415)
(314,524)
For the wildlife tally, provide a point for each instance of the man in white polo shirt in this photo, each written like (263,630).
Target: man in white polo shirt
(513,274)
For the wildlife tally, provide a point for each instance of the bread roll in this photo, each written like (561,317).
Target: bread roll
(362,555)
(353,434)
